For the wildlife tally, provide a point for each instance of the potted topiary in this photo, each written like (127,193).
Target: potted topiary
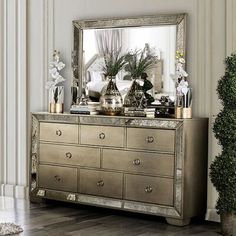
(223,168)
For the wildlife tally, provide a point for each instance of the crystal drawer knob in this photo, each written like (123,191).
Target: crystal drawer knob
(100,183)
(148,189)
(58,132)
(69,155)
(136,162)
(57,178)
(150,139)
(102,136)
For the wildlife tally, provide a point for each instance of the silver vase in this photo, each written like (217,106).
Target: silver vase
(111,100)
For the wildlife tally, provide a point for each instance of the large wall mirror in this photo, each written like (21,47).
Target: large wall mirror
(163,33)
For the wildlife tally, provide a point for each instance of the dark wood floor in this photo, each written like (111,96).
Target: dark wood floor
(58,219)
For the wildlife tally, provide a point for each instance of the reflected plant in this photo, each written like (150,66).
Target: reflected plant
(139,61)
(114,62)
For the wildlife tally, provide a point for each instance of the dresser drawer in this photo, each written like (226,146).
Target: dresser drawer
(102,183)
(58,178)
(70,155)
(149,189)
(151,139)
(143,162)
(54,132)
(102,135)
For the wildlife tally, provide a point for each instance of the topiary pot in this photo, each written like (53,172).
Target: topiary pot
(228,224)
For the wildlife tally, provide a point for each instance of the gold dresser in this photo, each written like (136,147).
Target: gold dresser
(151,166)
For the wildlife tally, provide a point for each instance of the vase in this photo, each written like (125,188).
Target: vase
(183,104)
(135,96)
(111,102)
(56,99)
(178,106)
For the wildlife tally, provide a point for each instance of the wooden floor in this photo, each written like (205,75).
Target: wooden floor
(58,219)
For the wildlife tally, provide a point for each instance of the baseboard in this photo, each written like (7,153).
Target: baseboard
(212,215)
(16,191)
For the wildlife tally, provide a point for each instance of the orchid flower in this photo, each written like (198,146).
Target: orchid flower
(54,67)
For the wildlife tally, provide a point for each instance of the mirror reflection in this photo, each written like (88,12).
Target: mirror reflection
(164,34)
(161,39)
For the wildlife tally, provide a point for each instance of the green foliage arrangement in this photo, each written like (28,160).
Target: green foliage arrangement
(139,61)
(223,168)
(114,62)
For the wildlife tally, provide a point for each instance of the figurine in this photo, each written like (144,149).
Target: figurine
(147,85)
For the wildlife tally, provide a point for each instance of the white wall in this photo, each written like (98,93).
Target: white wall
(49,27)
(13,159)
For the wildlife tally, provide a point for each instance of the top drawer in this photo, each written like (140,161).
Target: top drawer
(54,132)
(151,139)
(102,135)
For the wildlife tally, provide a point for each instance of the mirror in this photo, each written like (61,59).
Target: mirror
(164,34)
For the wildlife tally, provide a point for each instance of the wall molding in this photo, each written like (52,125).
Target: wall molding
(212,215)
(202,57)
(230,26)
(1,90)
(14,105)
(15,191)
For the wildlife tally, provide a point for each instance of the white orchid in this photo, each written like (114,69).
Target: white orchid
(54,67)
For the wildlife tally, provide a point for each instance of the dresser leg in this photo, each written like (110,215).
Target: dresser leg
(37,200)
(178,222)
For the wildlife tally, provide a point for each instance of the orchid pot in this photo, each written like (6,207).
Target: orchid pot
(56,99)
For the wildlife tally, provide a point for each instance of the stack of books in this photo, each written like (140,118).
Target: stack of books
(140,112)
(133,111)
(83,109)
(150,112)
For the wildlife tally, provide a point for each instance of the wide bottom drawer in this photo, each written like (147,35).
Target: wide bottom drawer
(58,178)
(149,189)
(102,183)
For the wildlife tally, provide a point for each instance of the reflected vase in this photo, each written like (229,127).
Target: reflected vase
(111,100)
(56,99)
(135,97)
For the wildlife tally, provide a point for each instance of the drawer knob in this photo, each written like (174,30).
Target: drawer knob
(57,178)
(148,189)
(69,155)
(100,183)
(102,136)
(136,162)
(150,139)
(58,132)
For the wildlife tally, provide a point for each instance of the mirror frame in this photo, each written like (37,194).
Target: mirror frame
(155,20)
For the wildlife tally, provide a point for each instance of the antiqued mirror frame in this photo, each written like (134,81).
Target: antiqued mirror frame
(155,20)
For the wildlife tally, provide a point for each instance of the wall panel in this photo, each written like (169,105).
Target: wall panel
(14,105)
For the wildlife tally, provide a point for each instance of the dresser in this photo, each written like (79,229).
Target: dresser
(144,165)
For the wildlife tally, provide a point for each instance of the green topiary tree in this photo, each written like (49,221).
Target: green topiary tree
(223,168)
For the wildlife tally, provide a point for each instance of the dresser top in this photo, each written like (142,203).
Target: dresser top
(168,123)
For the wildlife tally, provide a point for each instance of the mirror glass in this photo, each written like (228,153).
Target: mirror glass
(162,34)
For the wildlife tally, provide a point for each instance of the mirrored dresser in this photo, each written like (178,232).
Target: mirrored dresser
(144,165)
